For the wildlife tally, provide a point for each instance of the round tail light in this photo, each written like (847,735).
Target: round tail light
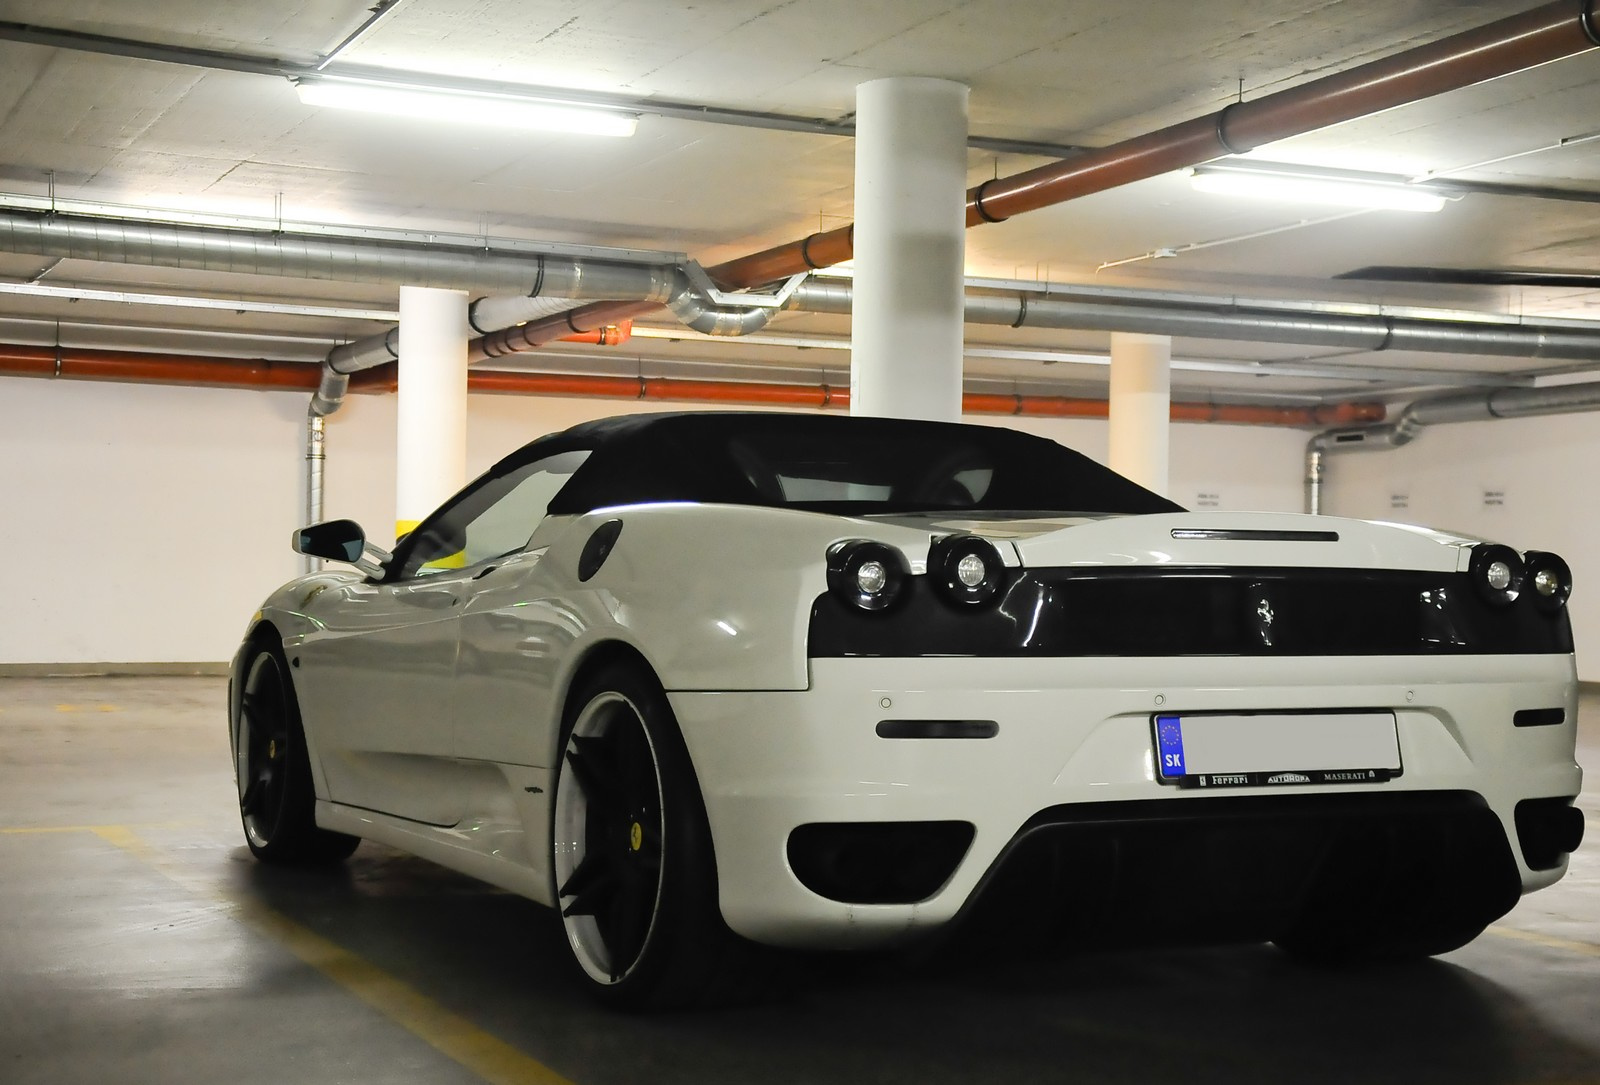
(966,570)
(866,574)
(1498,573)
(1548,581)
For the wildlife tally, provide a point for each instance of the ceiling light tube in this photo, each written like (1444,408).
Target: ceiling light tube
(506,111)
(1306,188)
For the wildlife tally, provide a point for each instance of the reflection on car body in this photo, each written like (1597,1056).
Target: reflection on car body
(714,683)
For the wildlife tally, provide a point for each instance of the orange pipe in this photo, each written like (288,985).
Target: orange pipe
(1509,45)
(606,335)
(76,363)
(81,363)
(584,320)
(819,396)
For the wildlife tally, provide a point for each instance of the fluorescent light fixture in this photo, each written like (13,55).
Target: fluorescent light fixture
(506,111)
(1310,188)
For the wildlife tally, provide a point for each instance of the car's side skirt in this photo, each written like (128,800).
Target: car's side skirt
(458,848)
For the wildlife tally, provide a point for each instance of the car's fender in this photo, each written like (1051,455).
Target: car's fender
(715,597)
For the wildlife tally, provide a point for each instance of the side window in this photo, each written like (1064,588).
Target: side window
(491,520)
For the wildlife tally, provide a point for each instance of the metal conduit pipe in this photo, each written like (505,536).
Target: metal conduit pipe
(316,460)
(1457,407)
(507,330)
(536,333)
(557,294)
(1509,45)
(1349,331)
(84,364)
(1512,339)
(493,313)
(315,256)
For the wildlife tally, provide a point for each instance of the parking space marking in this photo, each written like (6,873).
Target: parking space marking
(1549,941)
(452,1035)
(30,830)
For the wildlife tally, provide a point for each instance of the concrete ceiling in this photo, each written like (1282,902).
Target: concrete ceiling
(191,138)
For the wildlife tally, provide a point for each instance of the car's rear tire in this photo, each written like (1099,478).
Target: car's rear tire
(635,874)
(277,803)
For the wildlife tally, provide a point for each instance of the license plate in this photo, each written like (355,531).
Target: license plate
(1262,749)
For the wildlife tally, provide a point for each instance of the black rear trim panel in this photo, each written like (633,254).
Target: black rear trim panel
(1190,611)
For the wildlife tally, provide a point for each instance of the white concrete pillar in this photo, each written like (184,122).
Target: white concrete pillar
(431,431)
(910,248)
(1141,407)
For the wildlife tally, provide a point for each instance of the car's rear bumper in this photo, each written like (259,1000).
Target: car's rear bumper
(1073,736)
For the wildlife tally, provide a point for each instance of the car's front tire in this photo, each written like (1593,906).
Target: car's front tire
(635,874)
(277,803)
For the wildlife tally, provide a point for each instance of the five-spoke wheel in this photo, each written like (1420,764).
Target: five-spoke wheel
(276,801)
(608,809)
(632,856)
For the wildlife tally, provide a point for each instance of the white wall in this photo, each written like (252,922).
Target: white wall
(145,523)
(1526,482)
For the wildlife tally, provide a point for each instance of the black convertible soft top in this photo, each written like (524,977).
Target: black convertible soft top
(829,463)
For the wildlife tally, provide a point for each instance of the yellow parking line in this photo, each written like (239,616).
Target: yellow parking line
(30,830)
(491,1058)
(1550,941)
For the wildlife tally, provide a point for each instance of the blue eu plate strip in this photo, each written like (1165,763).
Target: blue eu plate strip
(1169,746)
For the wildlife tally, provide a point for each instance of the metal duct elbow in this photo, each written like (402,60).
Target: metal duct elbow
(330,393)
(711,320)
(347,359)
(375,350)
(1463,407)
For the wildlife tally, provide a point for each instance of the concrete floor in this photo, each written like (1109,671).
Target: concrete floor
(140,943)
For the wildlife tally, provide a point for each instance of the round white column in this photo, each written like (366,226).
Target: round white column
(910,248)
(1141,407)
(431,430)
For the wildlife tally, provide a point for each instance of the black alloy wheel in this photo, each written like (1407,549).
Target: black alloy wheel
(631,852)
(277,803)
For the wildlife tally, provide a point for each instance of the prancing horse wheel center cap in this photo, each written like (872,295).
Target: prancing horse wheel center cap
(636,836)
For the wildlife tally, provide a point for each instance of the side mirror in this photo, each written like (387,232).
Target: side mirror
(341,540)
(335,540)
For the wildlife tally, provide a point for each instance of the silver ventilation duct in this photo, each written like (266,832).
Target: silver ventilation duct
(1458,407)
(493,313)
(564,284)
(316,463)
(1168,315)
(316,256)
(695,312)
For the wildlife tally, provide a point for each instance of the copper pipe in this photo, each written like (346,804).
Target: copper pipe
(1509,45)
(75,363)
(755,393)
(80,363)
